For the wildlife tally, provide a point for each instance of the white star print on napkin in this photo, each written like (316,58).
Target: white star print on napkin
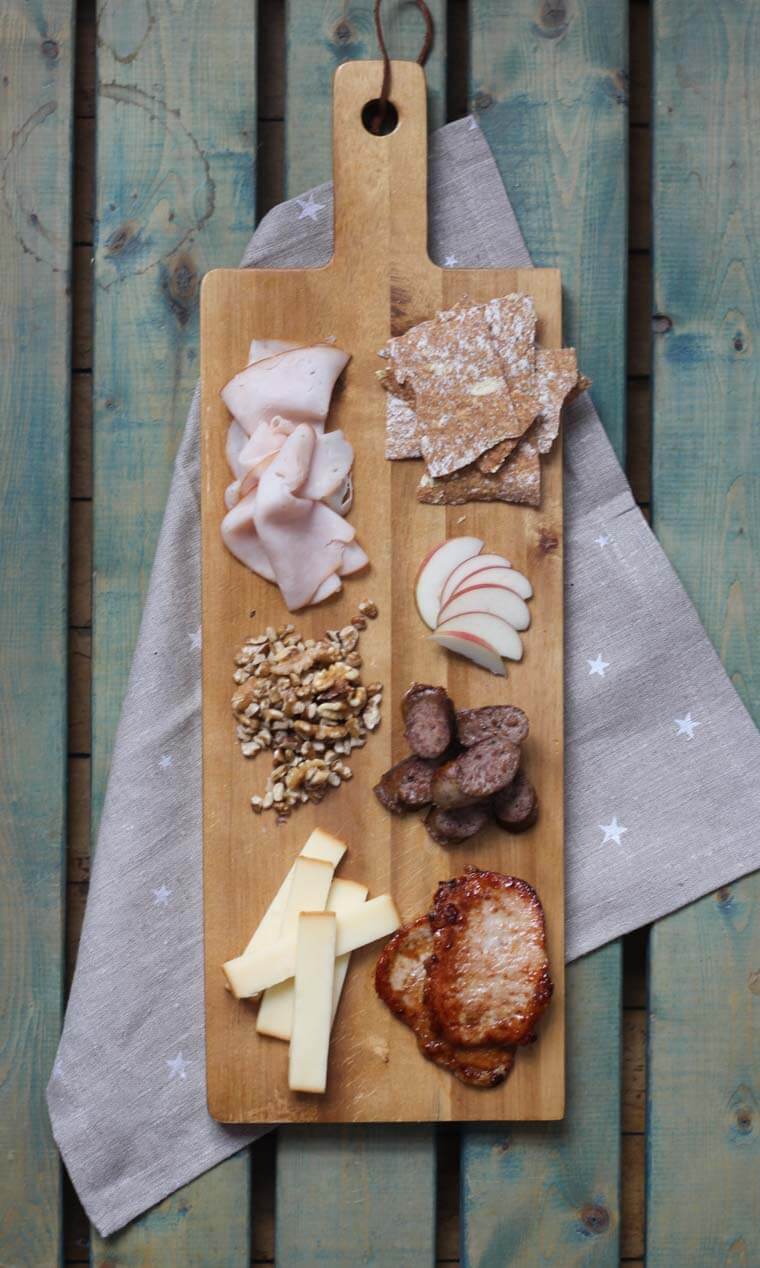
(686,726)
(612,831)
(177,1067)
(597,666)
(309,208)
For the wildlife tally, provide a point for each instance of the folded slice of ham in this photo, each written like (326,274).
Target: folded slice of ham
(241,539)
(304,540)
(296,383)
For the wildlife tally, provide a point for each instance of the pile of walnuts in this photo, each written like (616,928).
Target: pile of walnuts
(303,700)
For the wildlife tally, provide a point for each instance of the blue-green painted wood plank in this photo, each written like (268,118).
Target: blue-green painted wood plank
(176,133)
(549,1194)
(203,1225)
(318,38)
(703,1195)
(347,1196)
(550,86)
(36,56)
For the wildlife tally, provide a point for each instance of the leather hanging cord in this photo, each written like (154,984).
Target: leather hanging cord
(382,105)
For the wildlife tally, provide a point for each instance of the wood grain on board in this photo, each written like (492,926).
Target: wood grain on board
(553,86)
(376,1073)
(703,1198)
(176,133)
(36,53)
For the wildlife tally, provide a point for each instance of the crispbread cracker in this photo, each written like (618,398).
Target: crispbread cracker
(512,323)
(492,459)
(518,480)
(556,377)
(462,402)
(401,433)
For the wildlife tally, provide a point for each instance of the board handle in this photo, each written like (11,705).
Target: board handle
(380,182)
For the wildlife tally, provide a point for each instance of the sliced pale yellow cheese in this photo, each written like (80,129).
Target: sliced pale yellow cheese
(342,897)
(312,1011)
(309,889)
(276,1012)
(251,973)
(320,845)
(323,845)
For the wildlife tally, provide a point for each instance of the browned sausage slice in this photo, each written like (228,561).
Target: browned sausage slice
(477,773)
(516,807)
(503,720)
(447,827)
(407,785)
(429,720)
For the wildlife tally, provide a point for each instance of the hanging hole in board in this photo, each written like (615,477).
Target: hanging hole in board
(380,117)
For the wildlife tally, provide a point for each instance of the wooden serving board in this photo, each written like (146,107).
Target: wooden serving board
(380,281)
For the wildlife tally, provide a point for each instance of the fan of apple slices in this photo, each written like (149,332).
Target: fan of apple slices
(475,603)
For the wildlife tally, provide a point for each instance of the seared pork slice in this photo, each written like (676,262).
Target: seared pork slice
(488,978)
(400,982)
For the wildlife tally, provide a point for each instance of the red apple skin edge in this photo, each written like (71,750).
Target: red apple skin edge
(486,647)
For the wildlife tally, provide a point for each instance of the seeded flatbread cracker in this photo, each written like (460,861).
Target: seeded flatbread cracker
(518,480)
(495,458)
(556,377)
(512,323)
(462,402)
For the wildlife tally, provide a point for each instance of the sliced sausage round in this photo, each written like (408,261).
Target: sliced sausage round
(447,827)
(516,807)
(476,774)
(407,785)
(503,720)
(429,720)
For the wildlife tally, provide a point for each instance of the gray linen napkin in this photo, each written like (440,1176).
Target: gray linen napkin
(662,761)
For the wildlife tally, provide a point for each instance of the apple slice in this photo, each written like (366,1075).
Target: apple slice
(458,575)
(494,576)
(494,631)
(434,570)
(473,648)
(497,600)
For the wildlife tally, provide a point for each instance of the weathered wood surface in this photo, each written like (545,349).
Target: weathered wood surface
(176,134)
(703,1198)
(346,1197)
(552,1191)
(555,85)
(36,55)
(319,38)
(376,1074)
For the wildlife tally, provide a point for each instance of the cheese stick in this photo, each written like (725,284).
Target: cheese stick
(320,845)
(309,889)
(257,971)
(276,1012)
(312,1011)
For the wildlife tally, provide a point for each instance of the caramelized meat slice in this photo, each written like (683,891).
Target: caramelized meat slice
(400,981)
(516,807)
(406,786)
(501,721)
(488,978)
(447,827)
(476,774)
(428,715)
